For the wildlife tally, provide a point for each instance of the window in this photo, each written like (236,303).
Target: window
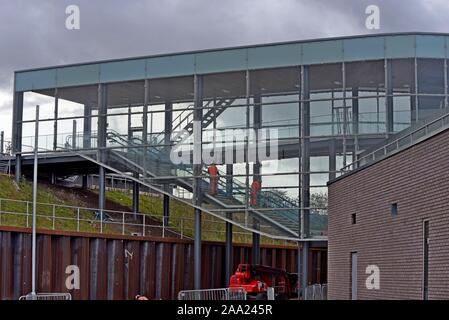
(354,218)
(394,209)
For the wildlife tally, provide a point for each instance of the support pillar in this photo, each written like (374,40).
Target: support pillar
(168,123)
(389,97)
(87,127)
(257,123)
(166,209)
(304,166)
(332,159)
(55,123)
(2,142)
(228,247)
(305,265)
(197,170)
(101,190)
(84,185)
(17,133)
(136,200)
(256,248)
(101,143)
(355,122)
(228,252)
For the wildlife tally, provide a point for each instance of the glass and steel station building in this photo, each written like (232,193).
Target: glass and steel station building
(328,100)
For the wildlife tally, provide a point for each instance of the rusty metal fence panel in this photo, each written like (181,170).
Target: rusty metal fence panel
(213,294)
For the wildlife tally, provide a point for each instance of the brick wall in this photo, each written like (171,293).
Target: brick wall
(417,179)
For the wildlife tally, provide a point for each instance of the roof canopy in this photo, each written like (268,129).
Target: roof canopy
(359,48)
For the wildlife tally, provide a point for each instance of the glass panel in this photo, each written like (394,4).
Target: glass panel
(122,70)
(274,56)
(171,66)
(403,75)
(430,81)
(322,52)
(402,112)
(32,80)
(325,78)
(431,76)
(221,61)
(428,46)
(78,75)
(367,76)
(400,46)
(171,89)
(364,48)
(372,116)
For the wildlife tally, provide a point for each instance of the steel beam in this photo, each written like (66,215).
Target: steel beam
(87,127)
(101,143)
(55,124)
(305,265)
(17,118)
(197,169)
(166,209)
(136,193)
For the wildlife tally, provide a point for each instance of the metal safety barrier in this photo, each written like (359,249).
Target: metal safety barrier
(213,294)
(47,296)
(316,292)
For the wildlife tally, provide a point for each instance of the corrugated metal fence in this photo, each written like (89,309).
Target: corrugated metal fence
(119,267)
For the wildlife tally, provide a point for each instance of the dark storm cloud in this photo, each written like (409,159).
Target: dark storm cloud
(33,34)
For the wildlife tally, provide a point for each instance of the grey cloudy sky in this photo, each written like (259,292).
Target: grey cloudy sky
(33,33)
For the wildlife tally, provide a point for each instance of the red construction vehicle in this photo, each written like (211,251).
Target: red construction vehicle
(256,279)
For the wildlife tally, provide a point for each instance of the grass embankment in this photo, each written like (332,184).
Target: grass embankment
(14,213)
(181,215)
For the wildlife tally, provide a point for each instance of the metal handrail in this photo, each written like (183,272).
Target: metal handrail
(396,145)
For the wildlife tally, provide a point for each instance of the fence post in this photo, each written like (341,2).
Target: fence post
(143,225)
(163,227)
(54,216)
(123,223)
(78,220)
(0,212)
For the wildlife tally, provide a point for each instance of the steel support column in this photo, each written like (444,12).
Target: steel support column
(55,123)
(136,193)
(197,169)
(228,251)
(257,123)
(389,98)
(304,165)
(101,143)
(166,209)
(17,118)
(2,142)
(168,123)
(355,121)
(87,127)
(228,246)
(305,265)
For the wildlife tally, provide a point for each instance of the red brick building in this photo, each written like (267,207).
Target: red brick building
(381,214)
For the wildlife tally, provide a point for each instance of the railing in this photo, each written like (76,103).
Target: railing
(81,219)
(400,143)
(213,294)
(47,296)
